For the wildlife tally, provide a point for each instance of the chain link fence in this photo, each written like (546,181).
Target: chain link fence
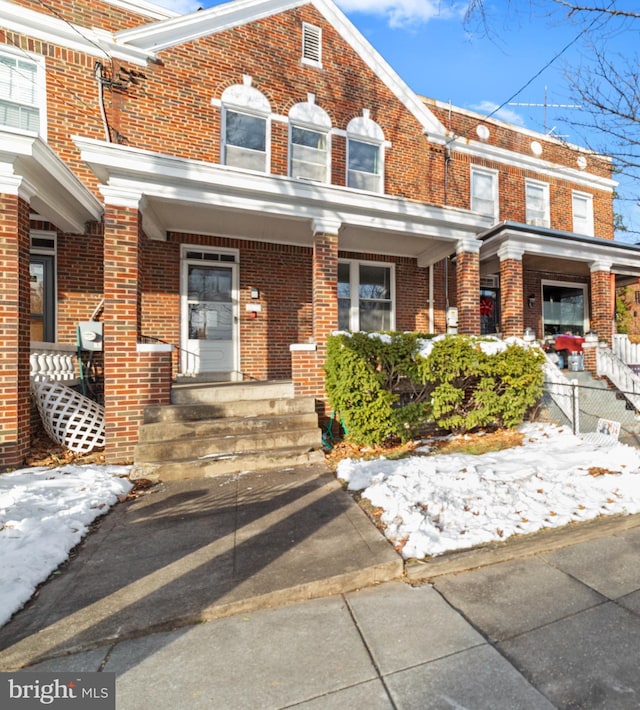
(592,408)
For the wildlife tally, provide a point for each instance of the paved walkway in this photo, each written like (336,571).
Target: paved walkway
(535,628)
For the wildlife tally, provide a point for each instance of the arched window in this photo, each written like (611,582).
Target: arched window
(245,127)
(365,155)
(309,147)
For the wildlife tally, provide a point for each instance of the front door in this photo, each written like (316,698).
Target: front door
(209,315)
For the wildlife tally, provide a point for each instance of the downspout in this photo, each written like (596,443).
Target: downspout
(431,310)
(97,71)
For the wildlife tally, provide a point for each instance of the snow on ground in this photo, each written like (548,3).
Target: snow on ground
(433,504)
(44,513)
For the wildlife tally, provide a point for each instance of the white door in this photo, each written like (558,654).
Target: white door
(209,318)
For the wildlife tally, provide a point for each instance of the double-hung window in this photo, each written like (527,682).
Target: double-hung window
(309,127)
(537,203)
(484,192)
(365,296)
(582,213)
(245,127)
(20,93)
(365,154)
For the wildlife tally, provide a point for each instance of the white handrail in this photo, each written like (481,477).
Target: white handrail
(623,378)
(563,392)
(627,351)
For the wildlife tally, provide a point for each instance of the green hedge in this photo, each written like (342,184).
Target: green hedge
(384,390)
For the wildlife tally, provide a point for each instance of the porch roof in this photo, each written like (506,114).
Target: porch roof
(30,169)
(553,250)
(191,196)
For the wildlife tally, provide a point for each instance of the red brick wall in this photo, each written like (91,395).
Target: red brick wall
(511,297)
(467,296)
(602,304)
(14,331)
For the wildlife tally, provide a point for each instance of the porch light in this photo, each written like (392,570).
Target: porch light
(531,300)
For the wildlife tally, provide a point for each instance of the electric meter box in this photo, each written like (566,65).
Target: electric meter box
(90,335)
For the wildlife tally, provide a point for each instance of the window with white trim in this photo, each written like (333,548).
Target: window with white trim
(311,44)
(537,203)
(245,127)
(582,213)
(365,154)
(309,151)
(484,192)
(21,92)
(365,296)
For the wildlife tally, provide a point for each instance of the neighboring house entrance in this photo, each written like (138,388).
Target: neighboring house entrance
(209,314)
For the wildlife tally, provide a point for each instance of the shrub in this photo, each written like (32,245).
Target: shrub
(386,386)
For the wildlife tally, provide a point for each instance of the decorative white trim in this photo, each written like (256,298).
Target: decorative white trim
(183,29)
(510,251)
(96,43)
(303,347)
(121,196)
(140,7)
(468,246)
(325,226)
(30,168)
(172,179)
(154,347)
(600,265)
(528,162)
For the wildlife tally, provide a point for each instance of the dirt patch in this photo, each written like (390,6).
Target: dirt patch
(45,452)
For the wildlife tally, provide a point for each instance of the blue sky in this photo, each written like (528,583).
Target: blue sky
(481,65)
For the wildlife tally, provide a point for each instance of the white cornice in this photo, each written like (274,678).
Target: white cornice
(186,28)
(161,35)
(47,28)
(143,8)
(42,178)
(127,171)
(622,259)
(527,162)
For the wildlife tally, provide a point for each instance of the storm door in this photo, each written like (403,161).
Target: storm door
(209,313)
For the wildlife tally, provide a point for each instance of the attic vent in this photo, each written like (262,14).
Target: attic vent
(311,44)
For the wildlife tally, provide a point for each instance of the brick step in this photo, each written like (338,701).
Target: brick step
(201,446)
(217,465)
(236,408)
(226,427)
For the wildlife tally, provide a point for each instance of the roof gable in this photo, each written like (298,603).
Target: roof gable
(169,33)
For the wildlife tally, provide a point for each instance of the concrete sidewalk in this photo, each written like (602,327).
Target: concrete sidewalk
(196,550)
(547,621)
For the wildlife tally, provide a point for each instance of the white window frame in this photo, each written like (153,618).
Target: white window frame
(582,225)
(535,217)
(307,116)
(311,34)
(567,284)
(49,249)
(354,290)
(40,87)
(244,99)
(493,174)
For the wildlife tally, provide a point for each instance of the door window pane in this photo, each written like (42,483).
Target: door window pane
(41,273)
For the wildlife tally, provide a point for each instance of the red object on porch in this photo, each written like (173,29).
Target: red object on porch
(572,343)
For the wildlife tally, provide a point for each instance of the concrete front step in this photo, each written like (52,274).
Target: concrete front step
(226,427)
(215,393)
(221,464)
(233,408)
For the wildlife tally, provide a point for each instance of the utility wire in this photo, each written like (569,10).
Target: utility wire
(548,64)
